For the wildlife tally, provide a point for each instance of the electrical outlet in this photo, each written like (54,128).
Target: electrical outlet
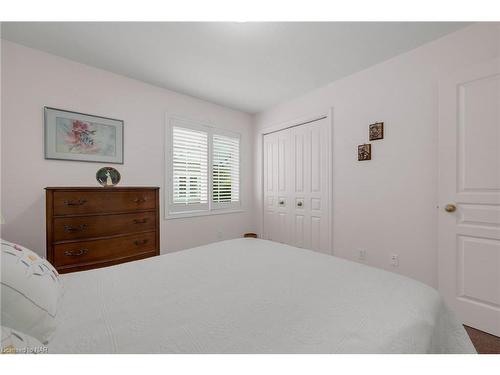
(394,260)
(361,255)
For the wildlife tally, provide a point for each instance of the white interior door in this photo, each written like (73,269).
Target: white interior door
(297,169)
(276,186)
(469,195)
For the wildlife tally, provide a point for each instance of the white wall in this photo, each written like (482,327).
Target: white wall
(387,205)
(32,79)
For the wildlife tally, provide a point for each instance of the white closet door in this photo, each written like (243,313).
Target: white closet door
(277,186)
(310,174)
(296,186)
(268,190)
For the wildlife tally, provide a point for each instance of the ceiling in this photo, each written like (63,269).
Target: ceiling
(248,66)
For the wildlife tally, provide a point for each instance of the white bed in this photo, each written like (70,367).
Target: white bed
(252,296)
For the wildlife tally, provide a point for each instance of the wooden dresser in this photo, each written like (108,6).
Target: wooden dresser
(91,227)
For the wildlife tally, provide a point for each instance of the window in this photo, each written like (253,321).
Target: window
(203,169)
(225,170)
(189,167)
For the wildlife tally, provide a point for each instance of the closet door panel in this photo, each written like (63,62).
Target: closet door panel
(300,174)
(299,231)
(268,162)
(311,187)
(298,159)
(277,221)
(283,183)
(319,194)
(316,233)
(269,198)
(316,154)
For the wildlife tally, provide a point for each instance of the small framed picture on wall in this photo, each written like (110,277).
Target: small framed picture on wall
(376,131)
(365,152)
(82,137)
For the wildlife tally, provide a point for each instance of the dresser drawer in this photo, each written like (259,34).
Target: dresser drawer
(71,228)
(90,252)
(87,202)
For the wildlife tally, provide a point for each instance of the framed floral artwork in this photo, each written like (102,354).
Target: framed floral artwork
(82,137)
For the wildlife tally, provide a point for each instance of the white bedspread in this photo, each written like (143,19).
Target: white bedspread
(252,296)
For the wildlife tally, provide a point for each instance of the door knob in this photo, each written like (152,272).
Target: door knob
(450,207)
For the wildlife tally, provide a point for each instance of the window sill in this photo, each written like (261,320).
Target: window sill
(182,215)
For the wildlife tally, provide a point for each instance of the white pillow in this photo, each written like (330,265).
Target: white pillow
(31,291)
(14,342)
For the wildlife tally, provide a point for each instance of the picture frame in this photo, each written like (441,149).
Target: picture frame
(83,137)
(376,131)
(365,152)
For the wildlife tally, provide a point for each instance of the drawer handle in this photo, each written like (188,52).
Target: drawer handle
(141,242)
(69,228)
(140,221)
(79,202)
(76,253)
(140,200)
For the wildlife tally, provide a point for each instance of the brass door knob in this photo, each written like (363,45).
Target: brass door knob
(450,207)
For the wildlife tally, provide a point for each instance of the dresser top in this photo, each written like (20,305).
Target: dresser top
(102,188)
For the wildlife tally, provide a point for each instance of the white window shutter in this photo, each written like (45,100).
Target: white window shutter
(225,171)
(189,169)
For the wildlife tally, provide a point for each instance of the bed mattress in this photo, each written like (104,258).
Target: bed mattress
(252,296)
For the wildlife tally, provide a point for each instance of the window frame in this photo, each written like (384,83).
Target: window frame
(211,207)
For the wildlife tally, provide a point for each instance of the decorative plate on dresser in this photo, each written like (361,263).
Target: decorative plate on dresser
(91,227)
